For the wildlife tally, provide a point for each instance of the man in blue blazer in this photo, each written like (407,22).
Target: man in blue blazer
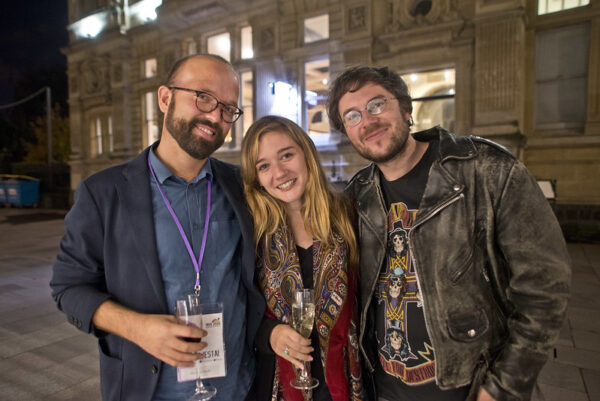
(150,231)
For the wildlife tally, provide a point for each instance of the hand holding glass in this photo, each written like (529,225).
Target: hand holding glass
(189,312)
(303,319)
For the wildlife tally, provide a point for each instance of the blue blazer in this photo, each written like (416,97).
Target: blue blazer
(109,252)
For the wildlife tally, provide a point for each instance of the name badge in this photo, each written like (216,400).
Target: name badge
(212,364)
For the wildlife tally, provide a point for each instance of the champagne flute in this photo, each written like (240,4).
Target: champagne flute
(303,319)
(189,312)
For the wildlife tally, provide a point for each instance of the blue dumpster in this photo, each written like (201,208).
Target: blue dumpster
(22,190)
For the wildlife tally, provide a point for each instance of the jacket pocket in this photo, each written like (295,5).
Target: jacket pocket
(461,265)
(467,326)
(111,375)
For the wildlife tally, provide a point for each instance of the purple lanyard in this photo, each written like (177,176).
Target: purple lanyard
(197,263)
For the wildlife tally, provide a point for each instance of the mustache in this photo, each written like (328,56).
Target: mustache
(208,123)
(372,128)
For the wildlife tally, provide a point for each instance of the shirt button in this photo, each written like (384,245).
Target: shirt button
(471,333)
(154,369)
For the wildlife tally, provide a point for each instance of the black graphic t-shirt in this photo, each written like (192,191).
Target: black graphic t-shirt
(406,367)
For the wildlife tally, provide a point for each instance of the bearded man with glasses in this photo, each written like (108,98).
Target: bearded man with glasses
(486,269)
(166,224)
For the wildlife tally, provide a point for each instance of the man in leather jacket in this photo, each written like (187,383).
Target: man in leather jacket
(464,270)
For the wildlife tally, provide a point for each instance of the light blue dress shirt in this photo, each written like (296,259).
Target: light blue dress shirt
(220,274)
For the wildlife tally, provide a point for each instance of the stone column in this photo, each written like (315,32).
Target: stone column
(499,73)
(592,126)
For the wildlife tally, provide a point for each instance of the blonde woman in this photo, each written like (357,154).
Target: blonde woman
(305,239)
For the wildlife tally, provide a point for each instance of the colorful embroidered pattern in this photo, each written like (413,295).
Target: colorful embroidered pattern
(280,275)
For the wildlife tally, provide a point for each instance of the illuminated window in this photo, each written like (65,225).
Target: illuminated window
(101,134)
(316,28)
(96,136)
(561,77)
(150,68)
(220,45)
(433,98)
(246,103)
(247,97)
(316,78)
(150,121)
(246,41)
(190,47)
(552,6)
(111,139)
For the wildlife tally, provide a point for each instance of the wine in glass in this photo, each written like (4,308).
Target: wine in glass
(303,319)
(189,312)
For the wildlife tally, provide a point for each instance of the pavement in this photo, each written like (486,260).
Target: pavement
(42,357)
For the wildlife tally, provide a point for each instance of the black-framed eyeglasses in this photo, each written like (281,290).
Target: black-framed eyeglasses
(206,102)
(374,106)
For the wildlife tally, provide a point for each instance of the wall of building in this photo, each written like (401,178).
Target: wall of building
(489,44)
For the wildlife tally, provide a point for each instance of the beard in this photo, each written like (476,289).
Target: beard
(397,142)
(182,131)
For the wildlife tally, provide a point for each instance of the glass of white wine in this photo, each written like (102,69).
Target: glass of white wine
(189,312)
(303,319)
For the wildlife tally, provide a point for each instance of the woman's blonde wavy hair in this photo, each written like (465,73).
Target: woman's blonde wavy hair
(324,209)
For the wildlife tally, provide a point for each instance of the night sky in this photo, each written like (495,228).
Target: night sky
(32,32)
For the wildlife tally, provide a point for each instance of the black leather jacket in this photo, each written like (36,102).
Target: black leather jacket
(492,265)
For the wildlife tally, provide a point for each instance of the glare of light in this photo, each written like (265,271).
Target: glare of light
(224,44)
(311,97)
(146,10)
(91,26)
(247,53)
(447,74)
(282,88)
(148,15)
(414,77)
(285,101)
(325,81)
(451,92)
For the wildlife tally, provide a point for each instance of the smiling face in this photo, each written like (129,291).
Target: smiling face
(281,168)
(380,137)
(199,133)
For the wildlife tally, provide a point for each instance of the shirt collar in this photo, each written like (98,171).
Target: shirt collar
(162,172)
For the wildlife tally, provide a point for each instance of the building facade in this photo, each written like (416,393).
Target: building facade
(525,73)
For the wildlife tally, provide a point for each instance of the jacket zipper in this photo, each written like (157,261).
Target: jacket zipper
(412,257)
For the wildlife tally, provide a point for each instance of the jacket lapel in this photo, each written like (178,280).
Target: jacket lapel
(442,186)
(368,195)
(135,197)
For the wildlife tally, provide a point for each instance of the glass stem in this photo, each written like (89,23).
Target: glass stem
(199,386)
(304,371)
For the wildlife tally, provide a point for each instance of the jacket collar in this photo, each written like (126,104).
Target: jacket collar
(451,147)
